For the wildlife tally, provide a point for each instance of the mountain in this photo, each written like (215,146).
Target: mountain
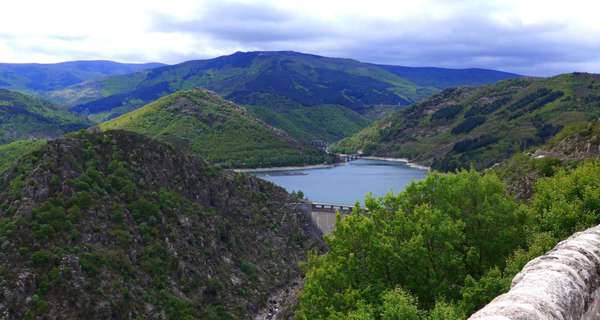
(23,117)
(480,126)
(281,87)
(222,132)
(38,77)
(117,225)
(442,78)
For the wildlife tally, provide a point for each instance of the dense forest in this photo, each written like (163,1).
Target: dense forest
(445,246)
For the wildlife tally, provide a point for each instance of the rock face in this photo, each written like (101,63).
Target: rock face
(562,284)
(119,226)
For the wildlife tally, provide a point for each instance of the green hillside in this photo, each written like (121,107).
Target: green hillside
(282,85)
(326,122)
(260,78)
(220,131)
(25,117)
(10,152)
(481,126)
(116,225)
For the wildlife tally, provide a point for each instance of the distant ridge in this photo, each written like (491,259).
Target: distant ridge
(41,77)
(446,78)
(25,117)
(283,88)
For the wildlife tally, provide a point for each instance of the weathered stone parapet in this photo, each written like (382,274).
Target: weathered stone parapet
(562,284)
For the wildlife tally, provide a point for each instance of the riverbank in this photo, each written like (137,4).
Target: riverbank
(403,160)
(332,165)
(291,168)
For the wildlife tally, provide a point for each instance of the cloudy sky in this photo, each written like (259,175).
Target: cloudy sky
(527,36)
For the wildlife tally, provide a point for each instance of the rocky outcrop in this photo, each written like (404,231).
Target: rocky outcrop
(119,226)
(562,284)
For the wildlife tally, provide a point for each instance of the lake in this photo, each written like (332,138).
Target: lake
(347,183)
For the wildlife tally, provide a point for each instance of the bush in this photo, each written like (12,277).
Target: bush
(42,258)
(427,241)
(398,304)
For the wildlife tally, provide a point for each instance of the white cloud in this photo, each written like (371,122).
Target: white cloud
(534,36)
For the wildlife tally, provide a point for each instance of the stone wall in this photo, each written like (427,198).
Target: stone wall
(562,284)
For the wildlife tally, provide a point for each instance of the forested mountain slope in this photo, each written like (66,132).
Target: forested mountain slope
(23,117)
(222,132)
(481,126)
(284,88)
(116,225)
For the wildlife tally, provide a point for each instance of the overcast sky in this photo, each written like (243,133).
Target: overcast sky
(529,37)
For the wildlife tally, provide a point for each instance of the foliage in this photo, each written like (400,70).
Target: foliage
(9,153)
(569,201)
(426,240)
(121,224)
(452,241)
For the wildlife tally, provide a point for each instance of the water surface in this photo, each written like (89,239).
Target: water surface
(348,183)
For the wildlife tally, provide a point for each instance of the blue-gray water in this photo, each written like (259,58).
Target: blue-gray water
(346,184)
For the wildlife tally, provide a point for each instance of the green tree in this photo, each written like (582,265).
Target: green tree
(426,240)
(399,305)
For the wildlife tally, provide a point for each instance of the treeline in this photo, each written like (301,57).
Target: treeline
(444,247)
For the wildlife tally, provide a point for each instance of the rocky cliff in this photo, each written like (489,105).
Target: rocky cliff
(118,226)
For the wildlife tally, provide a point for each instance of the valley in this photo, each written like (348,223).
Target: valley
(277,185)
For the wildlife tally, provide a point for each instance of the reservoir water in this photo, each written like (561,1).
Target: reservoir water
(345,184)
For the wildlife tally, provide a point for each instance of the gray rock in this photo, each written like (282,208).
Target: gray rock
(562,284)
